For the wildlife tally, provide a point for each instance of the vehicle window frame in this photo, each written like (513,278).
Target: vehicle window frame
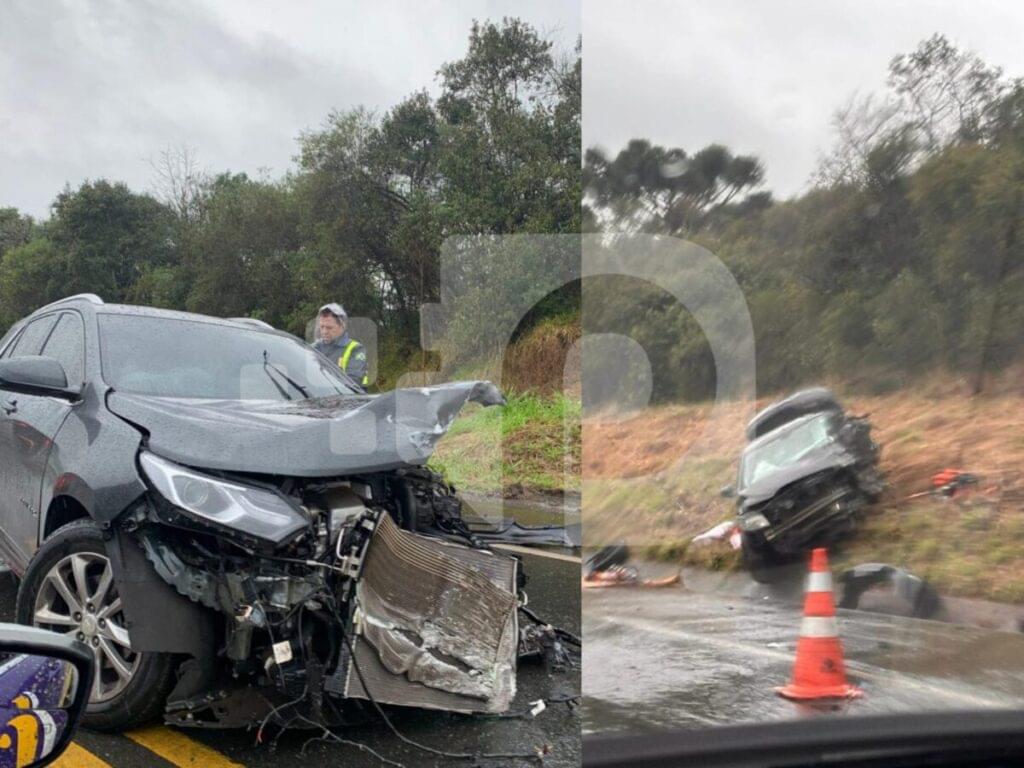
(54,316)
(83,350)
(9,340)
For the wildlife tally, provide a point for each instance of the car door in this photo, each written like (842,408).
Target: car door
(28,424)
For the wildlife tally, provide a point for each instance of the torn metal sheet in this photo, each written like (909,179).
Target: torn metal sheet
(438,624)
(313,438)
(511,532)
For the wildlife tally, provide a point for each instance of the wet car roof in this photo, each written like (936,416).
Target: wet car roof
(171,314)
(99,307)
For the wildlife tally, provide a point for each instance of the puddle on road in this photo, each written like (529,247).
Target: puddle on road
(699,660)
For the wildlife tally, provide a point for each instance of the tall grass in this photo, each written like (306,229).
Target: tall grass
(530,444)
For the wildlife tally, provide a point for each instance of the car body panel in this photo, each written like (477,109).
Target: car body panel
(312,438)
(419,596)
(26,445)
(802,403)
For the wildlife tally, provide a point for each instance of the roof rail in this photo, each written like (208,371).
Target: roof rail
(252,321)
(90,297)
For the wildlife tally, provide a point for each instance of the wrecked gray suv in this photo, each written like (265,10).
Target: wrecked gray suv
(807,471)
(232,524)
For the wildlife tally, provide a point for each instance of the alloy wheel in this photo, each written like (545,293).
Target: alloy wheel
(78,597)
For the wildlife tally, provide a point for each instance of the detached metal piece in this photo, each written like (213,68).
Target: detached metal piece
(909,595)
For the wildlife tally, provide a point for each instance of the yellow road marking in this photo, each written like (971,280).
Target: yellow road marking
(179,749)
(79,757)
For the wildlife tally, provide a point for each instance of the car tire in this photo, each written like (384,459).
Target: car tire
(118,702)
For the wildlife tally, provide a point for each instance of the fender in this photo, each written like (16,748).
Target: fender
(157,617)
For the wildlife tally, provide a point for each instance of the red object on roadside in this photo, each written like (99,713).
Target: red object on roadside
(819,671)
(945,477)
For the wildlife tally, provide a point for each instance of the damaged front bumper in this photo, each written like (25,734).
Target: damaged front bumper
(809,513)
(360,609)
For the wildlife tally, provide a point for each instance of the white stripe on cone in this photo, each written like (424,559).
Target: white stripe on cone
(819,626)
(819,581)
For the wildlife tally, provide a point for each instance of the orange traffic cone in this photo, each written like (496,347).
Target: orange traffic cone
(818,672)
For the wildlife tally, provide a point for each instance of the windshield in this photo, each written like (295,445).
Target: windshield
(171,357)
(788,447)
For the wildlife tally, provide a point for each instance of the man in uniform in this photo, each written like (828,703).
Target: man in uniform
(334,343)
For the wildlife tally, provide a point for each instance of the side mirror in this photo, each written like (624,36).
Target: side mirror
(34,375)
(727,492)
(45,679)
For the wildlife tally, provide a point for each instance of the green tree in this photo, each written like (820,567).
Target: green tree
(108,236)
(245,253)
(649,188)
(15,229)
(31,275)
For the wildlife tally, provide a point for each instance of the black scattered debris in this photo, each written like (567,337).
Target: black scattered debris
(913,595)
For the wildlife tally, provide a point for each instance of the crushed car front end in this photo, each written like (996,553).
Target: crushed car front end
(323,597)
(803,482)
(814,509)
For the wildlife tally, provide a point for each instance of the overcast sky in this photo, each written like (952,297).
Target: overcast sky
(762,77)
(97,89)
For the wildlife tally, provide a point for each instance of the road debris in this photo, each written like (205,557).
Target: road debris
(902,592)
(727,531)
(607,568)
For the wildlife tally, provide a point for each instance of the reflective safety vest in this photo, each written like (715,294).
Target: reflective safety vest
(343,361)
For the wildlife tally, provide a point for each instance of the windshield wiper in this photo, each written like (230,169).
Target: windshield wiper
(277,385)
(298,387)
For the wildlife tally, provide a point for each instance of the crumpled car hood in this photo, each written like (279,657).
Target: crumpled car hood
(830,456)
(309,438)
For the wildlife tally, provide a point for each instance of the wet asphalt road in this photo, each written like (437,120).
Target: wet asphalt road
(697,659)
(554,594)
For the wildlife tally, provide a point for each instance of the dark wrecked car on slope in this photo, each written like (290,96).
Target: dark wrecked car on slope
(805,475)
(230,523)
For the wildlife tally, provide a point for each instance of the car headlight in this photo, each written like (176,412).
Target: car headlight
(754,522)
(253,511)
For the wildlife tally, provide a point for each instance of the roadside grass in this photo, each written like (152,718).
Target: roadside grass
(531,445)
(659,510)
(970,549)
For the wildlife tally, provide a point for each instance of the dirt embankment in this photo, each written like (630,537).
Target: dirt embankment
(545,361)
(654,479)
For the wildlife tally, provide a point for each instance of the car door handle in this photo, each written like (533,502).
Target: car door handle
(9,405)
